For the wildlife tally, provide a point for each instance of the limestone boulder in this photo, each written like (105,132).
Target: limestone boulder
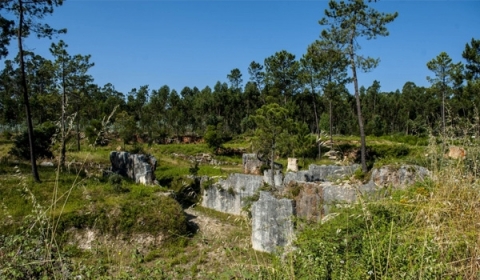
(230,195)
(292,164)
(251,164)
(455,152)
(398,177)
(330,172)
(272,222)
(308,200)
(138,167)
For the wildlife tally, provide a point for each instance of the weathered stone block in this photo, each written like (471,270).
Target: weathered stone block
(272,223)
(229,195)
(138,167)
(329,172)
(278,178)
(251,164)
(398,177)
(308,200)
(292,164)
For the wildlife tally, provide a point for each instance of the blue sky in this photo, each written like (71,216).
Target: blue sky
(197,43)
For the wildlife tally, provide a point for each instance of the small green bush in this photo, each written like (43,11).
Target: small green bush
(115,180)
(43,139)
(187,190)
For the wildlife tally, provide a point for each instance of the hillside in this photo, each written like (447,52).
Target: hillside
(77,222)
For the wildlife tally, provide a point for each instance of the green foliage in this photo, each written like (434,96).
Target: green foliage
(115,181)
(193,170)
(367,241)
(43,140)
(213,137)
(93,133)
(126,126)
(186,190)
(137,149)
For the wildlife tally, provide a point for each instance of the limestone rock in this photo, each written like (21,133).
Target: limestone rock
(308,200)
(229,195)
(292,164)
(278,177)
(455,152)
(272,224)
(47,164)
(138,167)
(398,177)
(329,172)
(251,164)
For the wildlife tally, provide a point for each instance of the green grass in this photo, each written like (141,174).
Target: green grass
(428,231)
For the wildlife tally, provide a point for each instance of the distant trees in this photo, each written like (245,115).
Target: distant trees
(286,98)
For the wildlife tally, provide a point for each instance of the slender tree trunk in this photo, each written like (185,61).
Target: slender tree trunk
(63,126)
(31,137)
(78,128)
(359,113)
(272,164)
(331,124)
(443,111)
(316,119)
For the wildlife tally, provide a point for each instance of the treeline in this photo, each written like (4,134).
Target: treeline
(310,95)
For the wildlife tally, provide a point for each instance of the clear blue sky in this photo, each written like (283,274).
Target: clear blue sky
(197,43)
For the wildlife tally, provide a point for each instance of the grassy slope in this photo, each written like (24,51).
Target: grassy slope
(430,217)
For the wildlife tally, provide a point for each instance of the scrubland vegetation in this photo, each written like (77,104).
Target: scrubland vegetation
(69,221)
(427,231)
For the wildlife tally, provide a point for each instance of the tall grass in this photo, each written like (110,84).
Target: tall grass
(429,231)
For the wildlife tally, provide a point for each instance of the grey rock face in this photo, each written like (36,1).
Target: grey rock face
(278,177)
(272,224)
(251,164)
(138,167)
(229,195)
(398,177)
(329,172)
(301,176)
(313,199)
(308,200)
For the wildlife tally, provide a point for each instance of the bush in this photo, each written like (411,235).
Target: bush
(187,190)
(94,133)
(115,181)
(43,139)
(213,137)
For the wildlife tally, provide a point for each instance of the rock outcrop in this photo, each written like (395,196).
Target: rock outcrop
(272,223)
(319,173)
(398,177)
(307,194)
(229,195)
(138,167)
(251,164)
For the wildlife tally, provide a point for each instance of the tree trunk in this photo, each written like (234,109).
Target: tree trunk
(359,114)
(78,128)
(316,118)
(63,126)
(331,124)
(272,165)
(31,137)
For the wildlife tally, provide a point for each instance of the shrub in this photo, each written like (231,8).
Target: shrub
(187,190)
(43,138)
(94,133)
(115,181)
